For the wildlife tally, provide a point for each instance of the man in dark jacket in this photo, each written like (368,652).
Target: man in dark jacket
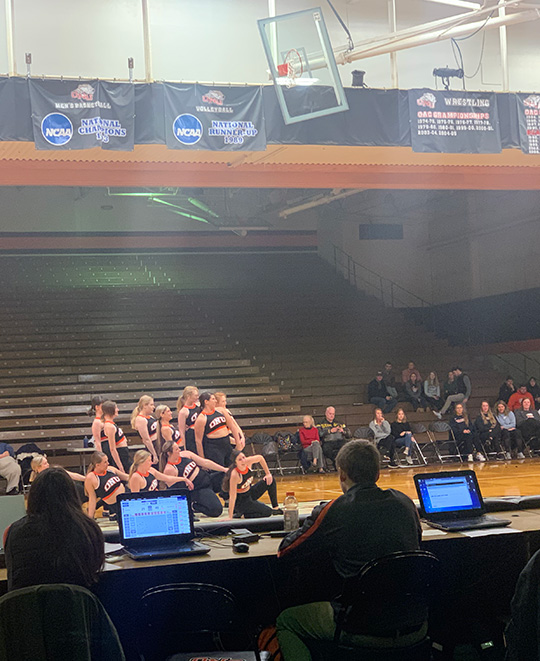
(365,523)
(378,394)
(507,389)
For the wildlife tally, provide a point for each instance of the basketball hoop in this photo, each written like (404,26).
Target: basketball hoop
(292,68)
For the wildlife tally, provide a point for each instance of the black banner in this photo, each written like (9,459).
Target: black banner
(214,118)
(456,122)
(528,108)
(81,115)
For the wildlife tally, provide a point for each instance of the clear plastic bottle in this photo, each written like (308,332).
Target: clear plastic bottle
(291,519)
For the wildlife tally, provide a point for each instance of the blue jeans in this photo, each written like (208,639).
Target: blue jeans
(405,440)
(382,403)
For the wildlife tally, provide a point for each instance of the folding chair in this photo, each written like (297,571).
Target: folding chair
(417,429)
(441,427)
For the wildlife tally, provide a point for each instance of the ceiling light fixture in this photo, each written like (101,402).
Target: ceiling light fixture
(465,4)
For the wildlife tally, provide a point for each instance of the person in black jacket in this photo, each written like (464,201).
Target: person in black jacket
(507,389)
(488,430)
(56,542)
(522,636)
(534,389)
(378,394)
(366,522)
(465,435)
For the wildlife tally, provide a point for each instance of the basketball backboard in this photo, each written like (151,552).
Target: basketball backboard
(302,65)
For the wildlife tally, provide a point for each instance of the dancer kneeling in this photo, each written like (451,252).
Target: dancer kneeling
(183,464)
(105,482)
(142,477)
(243,494)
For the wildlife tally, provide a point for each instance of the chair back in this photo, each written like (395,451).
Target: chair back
(439,426)
(363,433)
(390,596)
(418,428)
(56,621)
(186,617)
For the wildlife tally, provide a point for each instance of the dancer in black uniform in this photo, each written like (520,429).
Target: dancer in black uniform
(142,477)
(105,482)
(97,424)
(182,463)
(212,431)
(188,411)
(165,431)
(221,403)
(143,422)
(113,442)
(243,494)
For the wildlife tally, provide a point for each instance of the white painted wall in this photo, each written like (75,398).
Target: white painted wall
(218,40)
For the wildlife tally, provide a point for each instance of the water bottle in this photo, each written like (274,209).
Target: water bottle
(291,520)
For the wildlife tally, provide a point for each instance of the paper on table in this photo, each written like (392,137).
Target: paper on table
(489,531)
(429,533)
(112,548)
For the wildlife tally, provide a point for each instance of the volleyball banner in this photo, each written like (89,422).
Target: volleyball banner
(214,118)
(71,115)
(454,122)
(528,109)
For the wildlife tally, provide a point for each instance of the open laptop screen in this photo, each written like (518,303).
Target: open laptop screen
(155,516)
(442,493)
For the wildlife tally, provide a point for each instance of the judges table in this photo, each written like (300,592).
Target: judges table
(479,570)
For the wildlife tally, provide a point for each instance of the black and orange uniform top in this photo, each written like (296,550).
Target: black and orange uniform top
(203,498)
(151,483)
(109,482)
(175,434)
(119,437)
(193,414)
(187,468)
(243,487)
(214,422)
(151,424)
(364,523)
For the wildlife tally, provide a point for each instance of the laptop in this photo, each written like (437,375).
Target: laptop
(157,524)
(452,501)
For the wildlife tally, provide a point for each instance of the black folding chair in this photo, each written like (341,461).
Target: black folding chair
(449,444)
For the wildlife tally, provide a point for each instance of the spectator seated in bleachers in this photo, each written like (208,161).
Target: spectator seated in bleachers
(528,423)
(509,431)
(390,379)
(414,393)
(489,431)
(378,394)
(516,400)
(463,391)
(332,433)
(465,436)
(311,455)
(507,389)
(534,389)
(406,374)
(402,433)
(432,392)
(9,469)
(382,435)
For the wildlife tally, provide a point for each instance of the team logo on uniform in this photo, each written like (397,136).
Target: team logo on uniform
(187,129)
(84,92)
(533,101)
(57,129)
(427,100)
(214,96)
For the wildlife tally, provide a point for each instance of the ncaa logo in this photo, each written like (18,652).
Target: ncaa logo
(187,129)
(57,129)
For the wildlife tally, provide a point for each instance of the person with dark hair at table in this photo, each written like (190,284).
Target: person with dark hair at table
(342,535)
(55,542)
(378,394)
(507,389)
(465,435)
(534,389)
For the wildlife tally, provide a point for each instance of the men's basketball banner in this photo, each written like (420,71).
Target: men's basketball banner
(455,122)
(77,115)
(528,109)
(214,118)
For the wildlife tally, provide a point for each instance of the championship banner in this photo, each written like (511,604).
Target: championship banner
(214,118)
(454,122)
(73,115)
(528,108)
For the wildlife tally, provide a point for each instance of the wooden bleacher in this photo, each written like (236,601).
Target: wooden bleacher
(282,335)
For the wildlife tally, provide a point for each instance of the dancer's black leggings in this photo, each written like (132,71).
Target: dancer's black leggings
(248,505)
(218,450)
